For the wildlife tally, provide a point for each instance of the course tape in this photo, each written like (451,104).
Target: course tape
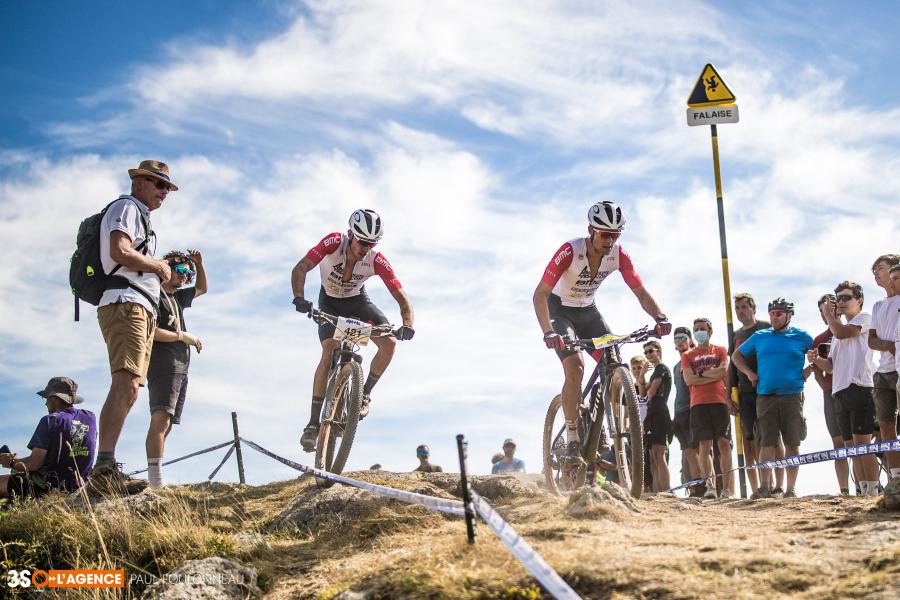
(222,463)
(191,455)
(523,551)
(812,458)
(453,507)
(826,455)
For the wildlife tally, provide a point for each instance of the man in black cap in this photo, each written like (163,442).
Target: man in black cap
(62,447)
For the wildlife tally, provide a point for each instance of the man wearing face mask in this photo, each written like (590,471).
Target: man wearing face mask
(705,369)
(564,303)
(167,377)
(780,353)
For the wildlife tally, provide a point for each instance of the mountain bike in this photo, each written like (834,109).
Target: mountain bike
(343,394)
(609,391)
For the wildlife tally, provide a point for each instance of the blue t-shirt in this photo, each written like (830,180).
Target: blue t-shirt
(501,466)
(70,439)
(780,358)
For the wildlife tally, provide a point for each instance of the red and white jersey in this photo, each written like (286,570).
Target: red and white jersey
(330,254)
(570,276)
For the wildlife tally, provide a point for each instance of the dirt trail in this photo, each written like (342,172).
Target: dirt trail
(811,547)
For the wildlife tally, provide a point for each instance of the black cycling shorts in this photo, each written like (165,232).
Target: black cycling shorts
(576,322)
(356,307)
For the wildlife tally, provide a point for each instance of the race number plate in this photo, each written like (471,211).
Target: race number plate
(353,331)
(606,340)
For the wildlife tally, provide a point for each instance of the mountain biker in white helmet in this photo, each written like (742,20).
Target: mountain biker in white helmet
(345,262)
(564,303)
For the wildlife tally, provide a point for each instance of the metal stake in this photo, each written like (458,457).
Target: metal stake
(237,448)
(462,446)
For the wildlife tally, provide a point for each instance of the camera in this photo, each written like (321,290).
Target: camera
(823,349)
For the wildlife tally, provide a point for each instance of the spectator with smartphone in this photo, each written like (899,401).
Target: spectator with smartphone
(832,408)
(882,331)
(851,366)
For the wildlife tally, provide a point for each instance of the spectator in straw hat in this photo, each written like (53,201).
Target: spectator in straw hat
(127,312)
(509,463)
(62,447)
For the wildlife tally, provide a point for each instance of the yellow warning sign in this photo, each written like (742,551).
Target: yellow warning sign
(710,89)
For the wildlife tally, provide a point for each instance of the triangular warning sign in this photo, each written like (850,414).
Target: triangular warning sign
(710,89)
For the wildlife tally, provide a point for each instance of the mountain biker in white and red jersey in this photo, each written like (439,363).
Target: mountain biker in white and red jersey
(564,303)
(345,262)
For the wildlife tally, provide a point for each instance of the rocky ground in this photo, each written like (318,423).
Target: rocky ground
(346,543)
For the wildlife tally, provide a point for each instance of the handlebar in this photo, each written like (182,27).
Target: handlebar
(605,341)
(386,330)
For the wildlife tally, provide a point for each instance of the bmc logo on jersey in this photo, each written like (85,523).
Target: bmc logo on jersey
(379,259)
(334,239)
(566,252)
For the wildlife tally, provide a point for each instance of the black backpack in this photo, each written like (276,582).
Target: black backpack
(86,276)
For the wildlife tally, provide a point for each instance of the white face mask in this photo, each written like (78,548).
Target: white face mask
(701,336)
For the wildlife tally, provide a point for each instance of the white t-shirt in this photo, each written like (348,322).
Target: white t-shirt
(885,319)
(125,215)
(852,357)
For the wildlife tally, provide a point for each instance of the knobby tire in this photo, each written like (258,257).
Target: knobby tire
(343,395)
(619,390)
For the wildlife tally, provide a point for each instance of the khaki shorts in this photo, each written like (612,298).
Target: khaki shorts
(127,329)
(885,395)
(780,415)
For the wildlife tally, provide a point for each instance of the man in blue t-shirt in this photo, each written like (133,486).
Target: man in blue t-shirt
(509,463)
(780,353)
(62,448)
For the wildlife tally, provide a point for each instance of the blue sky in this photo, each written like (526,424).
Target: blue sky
(481,132)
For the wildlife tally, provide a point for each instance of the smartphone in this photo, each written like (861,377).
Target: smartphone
(823,349)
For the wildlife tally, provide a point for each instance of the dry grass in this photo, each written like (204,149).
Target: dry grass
(819,547)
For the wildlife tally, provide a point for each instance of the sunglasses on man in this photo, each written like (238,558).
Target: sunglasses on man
(649,351)
(680,338)
(844,298)
(158,184)
(607,234)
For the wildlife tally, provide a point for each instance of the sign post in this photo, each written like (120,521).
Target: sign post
(711,102)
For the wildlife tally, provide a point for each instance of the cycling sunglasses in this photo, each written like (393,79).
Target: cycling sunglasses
(183,270)
(777,313)
(649,351)
(680,338)
(607,234)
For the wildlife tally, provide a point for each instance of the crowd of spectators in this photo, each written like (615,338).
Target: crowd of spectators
(761,382)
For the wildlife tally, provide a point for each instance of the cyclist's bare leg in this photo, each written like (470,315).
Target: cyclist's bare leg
(725,465)
(320,381)
(382,358)
(573,366)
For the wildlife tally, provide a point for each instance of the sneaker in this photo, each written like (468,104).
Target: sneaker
(726,494)
(845,492)
(777,492)
(790,494)
(108,478)
(572,457)
(762,492)
(364,406)
(308,439)
(710,494)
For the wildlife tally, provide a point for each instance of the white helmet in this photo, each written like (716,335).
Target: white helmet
(366,225)
(606,215)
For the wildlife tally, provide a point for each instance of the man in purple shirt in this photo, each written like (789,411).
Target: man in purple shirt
(62,448)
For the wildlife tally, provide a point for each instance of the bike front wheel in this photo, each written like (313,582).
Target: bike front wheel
(339,419)
(627,430)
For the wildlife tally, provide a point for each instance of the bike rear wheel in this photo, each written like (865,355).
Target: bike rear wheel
(628,434)
(339,420)
(559,476)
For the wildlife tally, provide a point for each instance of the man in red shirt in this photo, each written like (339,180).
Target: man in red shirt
(705,369)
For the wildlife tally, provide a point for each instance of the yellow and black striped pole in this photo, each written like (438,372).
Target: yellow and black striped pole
(726,281)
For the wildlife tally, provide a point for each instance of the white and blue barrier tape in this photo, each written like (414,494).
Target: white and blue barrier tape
(811,458)
(453,507)
(530,559)
(523,551)
(186,456)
